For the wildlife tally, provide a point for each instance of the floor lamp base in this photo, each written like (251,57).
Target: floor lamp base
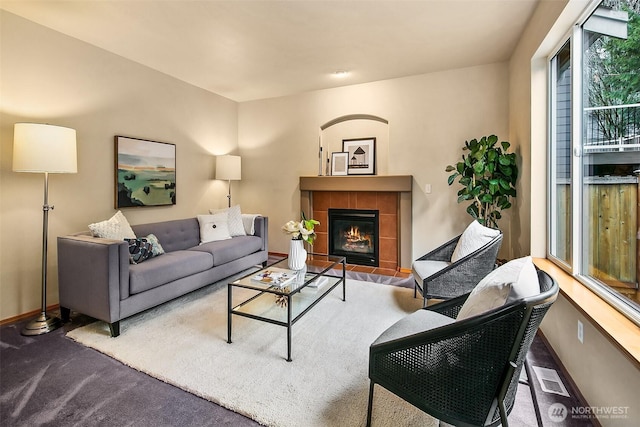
(42,325)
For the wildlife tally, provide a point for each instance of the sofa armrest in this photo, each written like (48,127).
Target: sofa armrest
(262,230)
(93,275)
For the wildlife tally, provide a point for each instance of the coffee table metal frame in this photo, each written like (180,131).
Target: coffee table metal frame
(298,294)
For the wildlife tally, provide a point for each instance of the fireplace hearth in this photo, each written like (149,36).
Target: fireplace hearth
(354,234)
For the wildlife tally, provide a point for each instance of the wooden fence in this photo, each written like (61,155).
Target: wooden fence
(613,224)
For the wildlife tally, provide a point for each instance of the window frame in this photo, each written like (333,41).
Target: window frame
(575,39)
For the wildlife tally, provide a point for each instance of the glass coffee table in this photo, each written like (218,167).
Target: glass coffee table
(285,305)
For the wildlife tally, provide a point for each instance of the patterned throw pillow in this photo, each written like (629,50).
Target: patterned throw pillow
(139,250)
(117,228)
(156,247)
(234,220)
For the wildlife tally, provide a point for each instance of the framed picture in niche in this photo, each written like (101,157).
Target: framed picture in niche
(361,156)
(145,172)
(339,163)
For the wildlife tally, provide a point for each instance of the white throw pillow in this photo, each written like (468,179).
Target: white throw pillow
(213,227)
(117,228)
(234,220)
(510,282)
(473,238)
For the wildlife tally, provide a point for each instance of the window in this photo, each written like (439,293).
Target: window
(595,153)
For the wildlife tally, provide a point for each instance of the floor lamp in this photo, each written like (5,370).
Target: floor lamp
(41,148)
(228,168)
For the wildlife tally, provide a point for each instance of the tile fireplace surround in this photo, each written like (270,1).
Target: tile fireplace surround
(391,195)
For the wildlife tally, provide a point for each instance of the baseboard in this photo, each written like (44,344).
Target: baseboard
(25,316)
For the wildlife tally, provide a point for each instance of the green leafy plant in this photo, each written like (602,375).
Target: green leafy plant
(488,176)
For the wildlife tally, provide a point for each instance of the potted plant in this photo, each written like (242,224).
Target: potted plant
(488,177)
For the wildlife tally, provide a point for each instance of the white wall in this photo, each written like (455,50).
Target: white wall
(51,78)
(430,116)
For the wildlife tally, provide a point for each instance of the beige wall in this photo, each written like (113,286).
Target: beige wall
(603,374)
(430,116)
(48,77)
(51,78)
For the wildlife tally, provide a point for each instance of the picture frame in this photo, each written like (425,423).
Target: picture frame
(339,163)
(145,172)
(361,155)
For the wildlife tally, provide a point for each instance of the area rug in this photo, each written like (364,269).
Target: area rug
(184,343)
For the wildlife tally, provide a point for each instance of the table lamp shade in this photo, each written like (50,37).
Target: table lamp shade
(228,168)
(44,148)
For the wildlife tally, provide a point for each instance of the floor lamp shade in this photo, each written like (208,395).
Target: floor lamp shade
(228,168)
(44,148)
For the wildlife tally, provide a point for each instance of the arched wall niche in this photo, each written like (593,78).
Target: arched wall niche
(356,126)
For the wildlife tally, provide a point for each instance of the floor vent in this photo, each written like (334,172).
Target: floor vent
(550,381)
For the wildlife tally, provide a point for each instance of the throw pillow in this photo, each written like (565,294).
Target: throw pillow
(117,228)
(234,220)
(213,227)
(473,238)
(139,250)
(510,282)
(156,247)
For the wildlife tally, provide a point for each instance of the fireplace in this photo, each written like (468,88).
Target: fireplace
(354,234)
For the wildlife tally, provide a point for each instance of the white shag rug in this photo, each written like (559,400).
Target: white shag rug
(184,343)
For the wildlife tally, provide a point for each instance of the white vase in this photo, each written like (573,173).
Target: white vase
(297,255)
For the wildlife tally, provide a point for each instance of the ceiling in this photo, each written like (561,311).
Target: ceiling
(247,50)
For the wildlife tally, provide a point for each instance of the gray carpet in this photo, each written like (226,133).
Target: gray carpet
(51,380)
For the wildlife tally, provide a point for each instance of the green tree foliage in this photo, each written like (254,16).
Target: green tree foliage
(613,72)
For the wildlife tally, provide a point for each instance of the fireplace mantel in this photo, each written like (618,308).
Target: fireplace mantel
(395,183)
(349,185)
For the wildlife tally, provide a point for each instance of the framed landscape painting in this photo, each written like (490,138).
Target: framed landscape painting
(145,173)
(361,156)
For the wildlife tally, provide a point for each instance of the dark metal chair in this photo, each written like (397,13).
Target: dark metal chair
(435,277)
(462,372)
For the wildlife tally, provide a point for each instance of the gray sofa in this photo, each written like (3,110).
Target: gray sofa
(95,277)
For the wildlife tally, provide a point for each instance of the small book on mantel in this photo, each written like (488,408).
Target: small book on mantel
(274,276)
(319,282)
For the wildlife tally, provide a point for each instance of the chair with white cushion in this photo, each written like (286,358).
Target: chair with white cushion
(460,360)
(454,268)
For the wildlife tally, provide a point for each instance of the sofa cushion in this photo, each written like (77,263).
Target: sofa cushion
(166,268)
(224,251)
(473,238)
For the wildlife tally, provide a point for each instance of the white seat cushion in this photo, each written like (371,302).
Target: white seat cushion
(427,268)
(510,282)
(473,238)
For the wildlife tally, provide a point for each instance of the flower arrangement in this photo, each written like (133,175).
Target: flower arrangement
(301,230)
